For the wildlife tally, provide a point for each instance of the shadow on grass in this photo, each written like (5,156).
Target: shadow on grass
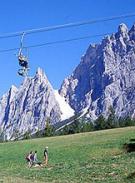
(131,175)
(129,147)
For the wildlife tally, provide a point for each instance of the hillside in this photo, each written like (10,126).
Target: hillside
(81,158)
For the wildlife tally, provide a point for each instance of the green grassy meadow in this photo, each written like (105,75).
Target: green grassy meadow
(80,158)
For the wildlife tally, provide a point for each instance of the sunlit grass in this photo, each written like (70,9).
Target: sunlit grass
(81,158)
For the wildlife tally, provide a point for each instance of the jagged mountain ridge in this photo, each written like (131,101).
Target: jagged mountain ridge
(28,107)
(105,76)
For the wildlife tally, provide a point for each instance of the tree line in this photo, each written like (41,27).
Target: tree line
(86,125)
(78,125)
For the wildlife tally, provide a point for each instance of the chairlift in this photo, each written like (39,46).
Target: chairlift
(23,60)
(22,72)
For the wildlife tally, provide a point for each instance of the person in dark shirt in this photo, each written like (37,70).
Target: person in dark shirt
(23,62)
(46,155)
(30,159)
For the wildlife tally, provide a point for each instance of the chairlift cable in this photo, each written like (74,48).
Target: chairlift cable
(56,42)
(63,26)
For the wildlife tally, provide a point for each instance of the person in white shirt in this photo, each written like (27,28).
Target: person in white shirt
(46,155)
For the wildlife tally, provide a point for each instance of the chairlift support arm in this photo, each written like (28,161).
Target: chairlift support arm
(21,44)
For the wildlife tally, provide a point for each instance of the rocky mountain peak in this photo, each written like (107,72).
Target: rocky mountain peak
(40,72)
(12,91)
(106,41)
(40,75)
(132,33)
(14,88)
(122,34)
(122,29)
(133,28)
(28,107)
(105,77)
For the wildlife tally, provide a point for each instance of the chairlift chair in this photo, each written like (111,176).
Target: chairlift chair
(23,60)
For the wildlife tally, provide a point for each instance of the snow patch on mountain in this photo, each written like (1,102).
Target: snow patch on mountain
(66,110)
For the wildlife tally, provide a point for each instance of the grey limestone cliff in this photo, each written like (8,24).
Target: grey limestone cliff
(105,76)
(27,108)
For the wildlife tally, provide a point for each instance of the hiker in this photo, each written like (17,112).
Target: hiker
(29,159)
(35,157)
(32,159)
(36,162)
(46,155)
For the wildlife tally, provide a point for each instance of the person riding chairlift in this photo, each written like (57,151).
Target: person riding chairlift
(23,61)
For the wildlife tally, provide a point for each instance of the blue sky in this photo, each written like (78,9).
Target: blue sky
(58,61)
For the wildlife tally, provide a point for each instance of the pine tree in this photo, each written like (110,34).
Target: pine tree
(27,135)
(1,135)
(111,120)
(49,131)
(100,123)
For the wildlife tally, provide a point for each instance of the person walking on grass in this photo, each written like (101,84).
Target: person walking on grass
(46,155)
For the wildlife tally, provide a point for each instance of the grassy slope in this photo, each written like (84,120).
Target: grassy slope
(88,157)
